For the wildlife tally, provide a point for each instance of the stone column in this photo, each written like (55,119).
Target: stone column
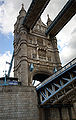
(24,72)
(24,64)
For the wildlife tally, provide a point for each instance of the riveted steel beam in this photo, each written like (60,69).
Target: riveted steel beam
(58,87)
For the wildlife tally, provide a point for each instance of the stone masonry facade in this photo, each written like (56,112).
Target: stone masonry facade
(18,103)
(34,47)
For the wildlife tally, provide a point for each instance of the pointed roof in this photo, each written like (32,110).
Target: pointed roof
(48,20)
(40,22)
(22,11)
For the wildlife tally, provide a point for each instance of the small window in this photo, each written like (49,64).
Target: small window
(33,55)
(40,41)
(30,41)
(49,58)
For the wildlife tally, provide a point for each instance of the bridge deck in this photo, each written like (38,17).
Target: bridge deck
(34,12)
(59,88)
(62,18)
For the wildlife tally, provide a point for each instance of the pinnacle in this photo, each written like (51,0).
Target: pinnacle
(48,20)
(22,9)
(22,6)
(48,16)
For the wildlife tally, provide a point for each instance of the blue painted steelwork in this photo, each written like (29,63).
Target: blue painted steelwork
(5,81)
(62,18)
(31,67)
(9,71)
(34,12)
(56,87)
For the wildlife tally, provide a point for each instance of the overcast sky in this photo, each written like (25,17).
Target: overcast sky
(9,10)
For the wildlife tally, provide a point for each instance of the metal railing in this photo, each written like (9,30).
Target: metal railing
(58,72)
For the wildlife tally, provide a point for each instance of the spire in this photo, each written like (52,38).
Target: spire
(22,6)
(39,21)
(20,18)
(22,11)
(48,16)
(48,20)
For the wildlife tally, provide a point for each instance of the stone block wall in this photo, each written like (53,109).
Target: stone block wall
(64,113)
(18,103)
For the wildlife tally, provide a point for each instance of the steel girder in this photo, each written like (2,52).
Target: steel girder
(34,12)
(11,63)
(59,88)
(62,18)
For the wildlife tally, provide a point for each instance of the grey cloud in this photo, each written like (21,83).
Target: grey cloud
(74,31)
(17,3)
(72,49)
(72,43)
(52,9)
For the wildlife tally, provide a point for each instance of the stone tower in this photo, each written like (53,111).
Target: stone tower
(35,58)
(35,54)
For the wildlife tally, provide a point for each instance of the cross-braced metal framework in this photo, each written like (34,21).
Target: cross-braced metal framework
(59,88)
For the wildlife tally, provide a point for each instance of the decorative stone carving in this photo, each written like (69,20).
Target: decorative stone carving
(33,47)
(40,41)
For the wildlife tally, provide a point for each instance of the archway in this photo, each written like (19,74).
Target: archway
(39,77)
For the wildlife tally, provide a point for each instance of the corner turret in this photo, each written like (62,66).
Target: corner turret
(22,12)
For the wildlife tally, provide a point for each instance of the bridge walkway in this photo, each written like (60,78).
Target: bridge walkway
(34,12)
(60,87)
(64,16)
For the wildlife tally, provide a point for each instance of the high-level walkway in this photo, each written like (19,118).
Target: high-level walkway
(36,9)
(62,18)
(60,87)
(34,12)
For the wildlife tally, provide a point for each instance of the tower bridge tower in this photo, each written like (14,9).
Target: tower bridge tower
(35,54)
(35,58)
